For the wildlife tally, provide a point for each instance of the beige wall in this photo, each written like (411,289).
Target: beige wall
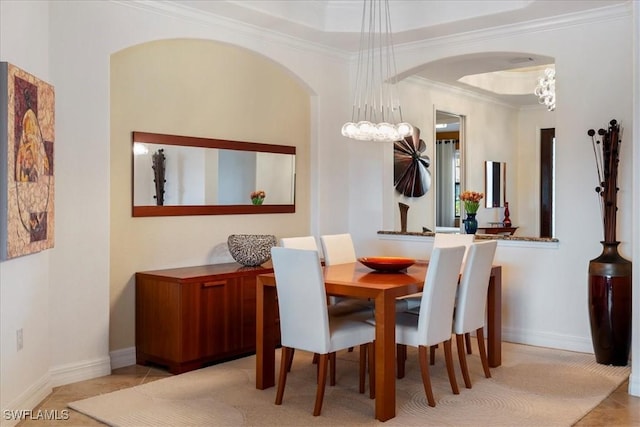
(195,88)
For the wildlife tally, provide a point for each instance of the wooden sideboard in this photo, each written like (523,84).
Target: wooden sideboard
(187,318)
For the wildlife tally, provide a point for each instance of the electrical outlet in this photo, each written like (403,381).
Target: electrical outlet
(19,339)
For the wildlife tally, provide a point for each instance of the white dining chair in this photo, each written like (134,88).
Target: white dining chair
(305,323)
(339,249)
(339,306)
(301,242)
(471,303)
(432,326)
(440,240)
(447,240)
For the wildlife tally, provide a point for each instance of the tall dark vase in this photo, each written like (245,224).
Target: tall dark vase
(610,306)
(470,224)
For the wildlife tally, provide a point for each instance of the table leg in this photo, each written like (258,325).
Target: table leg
(265,335)
(385,357)
(494,318)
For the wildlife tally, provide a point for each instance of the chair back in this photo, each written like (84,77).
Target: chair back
(438,295)
(303,242)
(338,249)
(302,300)
(472,292)
(446,240)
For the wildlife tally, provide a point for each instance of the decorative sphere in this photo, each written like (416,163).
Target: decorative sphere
(251,249)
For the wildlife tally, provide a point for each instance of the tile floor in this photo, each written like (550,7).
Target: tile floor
(619,409)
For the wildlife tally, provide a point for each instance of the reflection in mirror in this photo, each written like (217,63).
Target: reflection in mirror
(495,182)
(207,176)
(203,176)
(448,165)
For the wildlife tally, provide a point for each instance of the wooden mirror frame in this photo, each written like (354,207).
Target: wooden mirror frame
(181,210)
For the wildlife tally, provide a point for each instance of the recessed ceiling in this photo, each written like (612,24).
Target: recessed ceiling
(503,76)
(335,24)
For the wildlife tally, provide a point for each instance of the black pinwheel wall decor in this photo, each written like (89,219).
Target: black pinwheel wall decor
(411,175)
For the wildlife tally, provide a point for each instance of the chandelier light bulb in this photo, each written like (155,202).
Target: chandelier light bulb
(546,89)
(349,129)
(404,129)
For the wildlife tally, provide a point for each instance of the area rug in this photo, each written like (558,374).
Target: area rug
(534,387)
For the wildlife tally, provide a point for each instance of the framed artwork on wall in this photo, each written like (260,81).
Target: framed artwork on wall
(27,134)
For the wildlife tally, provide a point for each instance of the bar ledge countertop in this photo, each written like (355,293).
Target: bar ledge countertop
(478,236)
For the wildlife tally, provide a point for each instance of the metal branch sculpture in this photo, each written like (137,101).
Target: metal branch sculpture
(607,155)
(158,173)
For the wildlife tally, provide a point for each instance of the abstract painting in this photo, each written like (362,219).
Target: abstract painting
(27,134)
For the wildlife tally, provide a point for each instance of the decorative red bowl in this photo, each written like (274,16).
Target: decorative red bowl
(387,263)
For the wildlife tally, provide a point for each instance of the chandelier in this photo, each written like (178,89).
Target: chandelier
(546,89)
(376,114)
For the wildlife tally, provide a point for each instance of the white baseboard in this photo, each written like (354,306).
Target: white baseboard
(30,398)
(61,375)
(538,339)
(85,370)
(634,383)
(123,357)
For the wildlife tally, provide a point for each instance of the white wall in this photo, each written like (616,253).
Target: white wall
(24,282)
(634,380)
(545,287)
(527,171)
(351,182)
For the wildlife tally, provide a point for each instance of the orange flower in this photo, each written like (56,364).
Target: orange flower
(471,201)
(258,194)
(471,196)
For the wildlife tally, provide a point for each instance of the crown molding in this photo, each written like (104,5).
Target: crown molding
(196,16)
(595,16)
(424,82)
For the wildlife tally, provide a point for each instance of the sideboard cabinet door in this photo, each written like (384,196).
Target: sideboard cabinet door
(187,318)
(205,308)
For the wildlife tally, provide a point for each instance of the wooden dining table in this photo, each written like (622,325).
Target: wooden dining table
(354,280)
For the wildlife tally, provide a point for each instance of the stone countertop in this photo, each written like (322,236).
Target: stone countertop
(478,236)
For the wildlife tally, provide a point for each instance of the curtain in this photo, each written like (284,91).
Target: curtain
(445,182)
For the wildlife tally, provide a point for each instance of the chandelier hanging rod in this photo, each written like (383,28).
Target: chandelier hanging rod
(376,112)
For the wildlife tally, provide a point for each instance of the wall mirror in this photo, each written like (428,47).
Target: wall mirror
(495,182)
(180,175)
(448,175)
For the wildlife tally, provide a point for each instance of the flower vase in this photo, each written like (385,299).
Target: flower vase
(470,223)
(610,306)
(257,200)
